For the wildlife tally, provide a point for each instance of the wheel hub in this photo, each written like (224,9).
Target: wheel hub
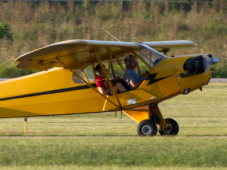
(146,130)
(170,128)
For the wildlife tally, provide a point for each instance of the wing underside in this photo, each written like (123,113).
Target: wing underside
(72,52)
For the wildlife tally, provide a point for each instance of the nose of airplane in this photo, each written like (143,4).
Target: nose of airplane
(213,60)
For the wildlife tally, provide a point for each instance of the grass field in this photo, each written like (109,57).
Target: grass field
(100,141)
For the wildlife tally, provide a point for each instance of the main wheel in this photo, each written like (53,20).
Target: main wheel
(147,128)
(173,128)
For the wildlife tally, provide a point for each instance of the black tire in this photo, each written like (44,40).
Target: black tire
(173,128)
(147,128)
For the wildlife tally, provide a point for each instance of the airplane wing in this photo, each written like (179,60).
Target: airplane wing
(73,51)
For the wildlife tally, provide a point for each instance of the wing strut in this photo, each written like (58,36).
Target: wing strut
(86,82)
(119,62)
(93,67)
(111,54)
(138,67)
(108,80)
(75,53)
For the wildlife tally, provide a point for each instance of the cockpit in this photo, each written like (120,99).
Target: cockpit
(145,56)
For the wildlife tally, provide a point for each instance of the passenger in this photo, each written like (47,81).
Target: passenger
(102,83)
(130,76)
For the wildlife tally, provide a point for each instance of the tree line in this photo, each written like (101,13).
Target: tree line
(26,26)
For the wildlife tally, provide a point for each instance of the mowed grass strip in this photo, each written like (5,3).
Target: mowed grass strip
(122,152)
(115,167)
(200,144)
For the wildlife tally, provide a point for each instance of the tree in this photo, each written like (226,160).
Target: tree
(5,31)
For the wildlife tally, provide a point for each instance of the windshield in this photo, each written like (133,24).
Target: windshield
(151,56)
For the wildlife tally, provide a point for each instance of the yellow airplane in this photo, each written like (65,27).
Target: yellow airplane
(70,87)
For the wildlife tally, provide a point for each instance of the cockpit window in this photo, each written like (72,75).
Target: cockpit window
(151,56)
(88,71)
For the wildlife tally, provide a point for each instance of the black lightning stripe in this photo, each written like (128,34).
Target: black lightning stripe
(49,92)
(151,78)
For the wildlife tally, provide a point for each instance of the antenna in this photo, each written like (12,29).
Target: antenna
(110,34)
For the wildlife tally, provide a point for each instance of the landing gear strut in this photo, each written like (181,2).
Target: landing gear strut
(149,116)
(148,127)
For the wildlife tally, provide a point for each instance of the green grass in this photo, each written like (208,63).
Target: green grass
(112,151)
(72,167)
(100,141)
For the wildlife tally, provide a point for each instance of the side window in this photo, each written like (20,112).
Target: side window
(152,56)
(143,67)
(117,69)
(106,64)
(88,71)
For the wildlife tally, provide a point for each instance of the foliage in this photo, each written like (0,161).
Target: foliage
(220,70)
(36,24)
(10,71)
(5,31)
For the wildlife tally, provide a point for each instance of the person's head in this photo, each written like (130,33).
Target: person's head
(130,62)
(98,70)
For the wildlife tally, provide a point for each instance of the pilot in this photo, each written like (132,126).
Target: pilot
(102,83)
(130,76)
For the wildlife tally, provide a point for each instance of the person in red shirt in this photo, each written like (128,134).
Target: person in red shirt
(102,84)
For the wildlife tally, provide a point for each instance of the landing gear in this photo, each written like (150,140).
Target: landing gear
(149,116)
(173,128)
(147,128)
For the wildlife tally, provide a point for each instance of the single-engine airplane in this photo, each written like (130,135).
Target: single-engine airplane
(70,87)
